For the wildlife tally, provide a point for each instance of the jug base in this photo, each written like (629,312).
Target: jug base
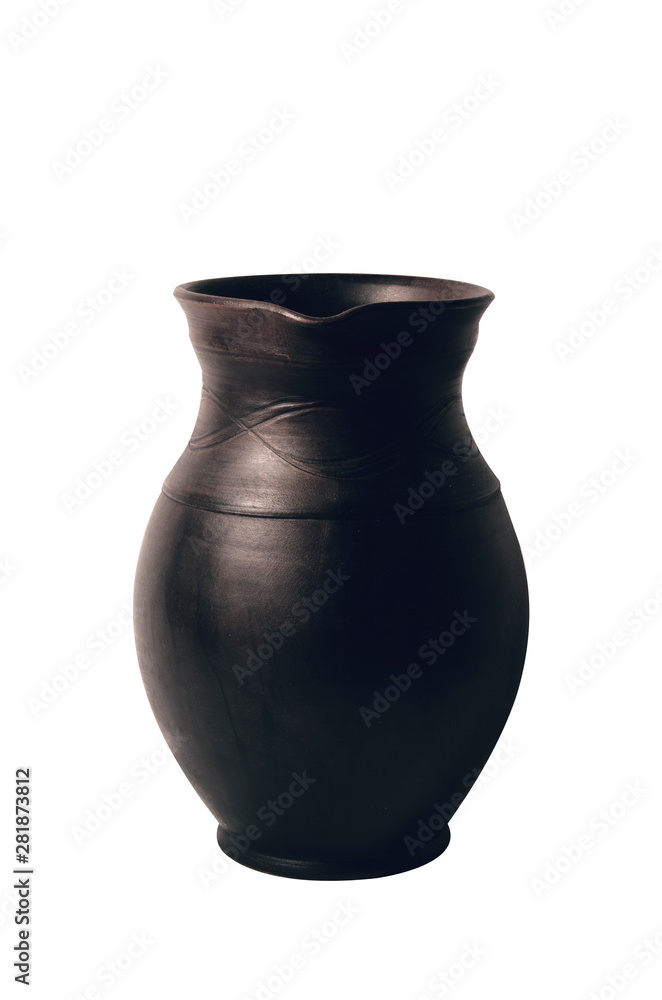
(335,870)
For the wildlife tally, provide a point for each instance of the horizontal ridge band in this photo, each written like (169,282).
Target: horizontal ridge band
(429,511)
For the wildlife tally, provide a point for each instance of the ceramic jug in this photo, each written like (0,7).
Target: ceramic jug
(331,607)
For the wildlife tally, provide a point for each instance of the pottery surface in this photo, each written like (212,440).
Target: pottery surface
(331,607)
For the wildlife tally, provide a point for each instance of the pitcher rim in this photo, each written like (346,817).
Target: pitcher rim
(439,290)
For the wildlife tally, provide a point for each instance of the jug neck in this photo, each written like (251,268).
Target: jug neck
(331,415)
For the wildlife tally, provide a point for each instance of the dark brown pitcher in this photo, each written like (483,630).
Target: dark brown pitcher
(331,607)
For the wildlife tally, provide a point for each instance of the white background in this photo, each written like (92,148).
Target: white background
(545,926)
